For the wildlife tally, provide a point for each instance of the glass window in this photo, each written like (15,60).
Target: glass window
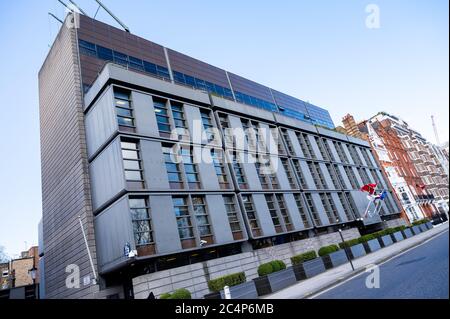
(140,216)
(181,211)
(232,213)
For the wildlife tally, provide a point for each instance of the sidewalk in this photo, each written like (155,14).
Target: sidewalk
(312,286)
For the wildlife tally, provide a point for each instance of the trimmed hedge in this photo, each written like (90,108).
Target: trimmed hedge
(298,259)
(216,285)
(271,267)
(349,243)
(366,238)
(326,250)
(420,222)
(177,294)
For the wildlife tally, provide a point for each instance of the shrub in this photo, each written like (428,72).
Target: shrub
(165,296)
(326,250)
(271,267)
(181,294)
(265,269)
(349,243)
(217,284)
(366,238)
(420,222)
(298,259)
(399,228)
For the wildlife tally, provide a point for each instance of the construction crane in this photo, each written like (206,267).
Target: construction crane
(435,131)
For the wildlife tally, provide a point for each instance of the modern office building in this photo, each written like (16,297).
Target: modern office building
(163,210)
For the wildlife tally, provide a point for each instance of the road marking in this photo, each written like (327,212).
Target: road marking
(385,261)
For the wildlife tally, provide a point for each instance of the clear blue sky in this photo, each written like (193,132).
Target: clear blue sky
(321,52)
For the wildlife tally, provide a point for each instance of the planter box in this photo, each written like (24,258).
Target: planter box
(429,225)
(213,295)
(356,251)
(247,290)
(416,230)
(309,269)
(423,227)
(335,259)
(372,246)
(407,233)
(385,240)
(275,281)
(397,236)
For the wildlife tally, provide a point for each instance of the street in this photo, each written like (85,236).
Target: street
(419,273)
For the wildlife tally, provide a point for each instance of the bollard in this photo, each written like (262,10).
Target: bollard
(227,292)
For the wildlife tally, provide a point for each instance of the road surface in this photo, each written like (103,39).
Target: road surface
(419,273)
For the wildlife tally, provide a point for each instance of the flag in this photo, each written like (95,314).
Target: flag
(369,188)
(381,196)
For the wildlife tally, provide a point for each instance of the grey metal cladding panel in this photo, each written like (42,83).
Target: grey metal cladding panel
(339,207)
(333,150)
(165,225)
(315,147)
(144,114)
(295,144)
(243,109)
(155,173)
(113,229)
(193,122)
(106,172)
(207,173)
(281,174)
(332,134)
(288,101)
(345,147)
(320,209)
(307,175)
(248,87)
(294,214)
(219,219)
(40,238)
(294,123)
(100,122)
(326,175)
(358,177)
(361,157)
(357,141)
(264,218)
(196,68)
(64,167)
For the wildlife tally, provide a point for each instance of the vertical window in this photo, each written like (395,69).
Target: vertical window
(179,120)
(162,117)
(226,130)
(351,176)
(273,213)
(140,217)
(207,124)
(299,172)
(184,222)
(348,210)
(190,168)
(354,155)
(313,210)
(322,150)
(302,210)
(351,203)
(363,174)
(219,166)
(232,213)
(289,173)
(305,144)
(251,215)
(201,216)
(124,111)
(333,176)
(172,167)
(262,177)
(288,142)
(316,173)
(328,149)
(277,139)
(366,157)
(132,163)
(339,176)
(283,212)
(341,152)
(239,172)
